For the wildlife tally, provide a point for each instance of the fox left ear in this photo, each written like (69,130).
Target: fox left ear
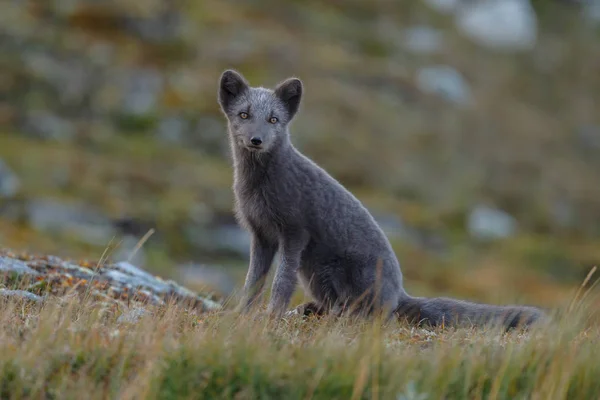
(290,93)
(231,85)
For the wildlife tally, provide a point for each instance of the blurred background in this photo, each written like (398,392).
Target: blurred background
(471,130)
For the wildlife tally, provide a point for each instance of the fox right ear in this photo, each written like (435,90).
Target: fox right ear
(231,85)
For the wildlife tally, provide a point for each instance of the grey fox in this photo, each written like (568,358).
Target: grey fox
(326,238)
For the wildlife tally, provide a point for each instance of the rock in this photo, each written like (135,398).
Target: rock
(444,81)
(591,11)
(395,228)
(46,125)
(589,137)
(120,282)
(422,39)
(132,316)
(499,24)
(204,274)
(562,213)
(9,183)
(21,294)
(172,129)
(134,271)
(52,215)
(158,28)
(135,281)
(228,238)
(234,238)
(488,223)
(133,277)
(17,266)
(71,78)
(444,6)
(142,90)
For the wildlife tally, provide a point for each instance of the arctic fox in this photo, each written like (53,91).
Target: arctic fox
(326,238)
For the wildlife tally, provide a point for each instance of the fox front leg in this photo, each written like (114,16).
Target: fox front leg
(286,278)
(262,253)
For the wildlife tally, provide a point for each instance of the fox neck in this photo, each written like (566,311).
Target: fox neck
(252,169)
(245,160)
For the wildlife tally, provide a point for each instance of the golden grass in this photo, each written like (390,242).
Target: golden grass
(73,348)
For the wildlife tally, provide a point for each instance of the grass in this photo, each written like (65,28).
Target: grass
(70,349)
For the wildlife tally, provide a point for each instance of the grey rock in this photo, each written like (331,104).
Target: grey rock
(210,275)
(393,226)
(396,229)
(69,77)
(17,266)
(487,223)
(589,137)
(591,11)
(563,214)
(46,125)
(134,271)
(444,6)
(172,129)
(423,39)
(119,276)
(142,90)
(228,238)
(52,215)
(128,275)
(154,299)
(161,27)
(21,294)
(233,238)
(68,7)
(499,24)
(444,81)
(132,316)
(136,281)
(9,182)
(78,271)
(132,281)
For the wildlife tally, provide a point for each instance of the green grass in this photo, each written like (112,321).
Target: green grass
(70,349)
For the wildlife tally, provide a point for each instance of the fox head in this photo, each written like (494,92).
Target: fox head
(258,117)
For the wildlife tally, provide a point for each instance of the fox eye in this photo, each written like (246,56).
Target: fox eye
(273,120)
(243,115)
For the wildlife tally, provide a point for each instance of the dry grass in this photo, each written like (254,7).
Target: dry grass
(68,348)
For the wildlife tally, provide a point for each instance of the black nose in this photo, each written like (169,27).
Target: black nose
(256,141)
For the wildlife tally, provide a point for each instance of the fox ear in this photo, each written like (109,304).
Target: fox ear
(231,85)
(290,93)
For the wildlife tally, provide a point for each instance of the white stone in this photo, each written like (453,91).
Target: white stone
(499,24)
(444,81)
(489,223)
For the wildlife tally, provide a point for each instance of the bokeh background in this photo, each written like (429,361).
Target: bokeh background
(471,129)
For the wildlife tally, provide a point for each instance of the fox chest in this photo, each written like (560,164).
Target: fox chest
(260,211)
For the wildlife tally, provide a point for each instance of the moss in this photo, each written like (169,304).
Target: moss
(130,123)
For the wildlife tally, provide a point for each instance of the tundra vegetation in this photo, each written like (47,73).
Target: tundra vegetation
(482,165)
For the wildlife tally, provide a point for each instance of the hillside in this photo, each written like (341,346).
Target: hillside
(481,163)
